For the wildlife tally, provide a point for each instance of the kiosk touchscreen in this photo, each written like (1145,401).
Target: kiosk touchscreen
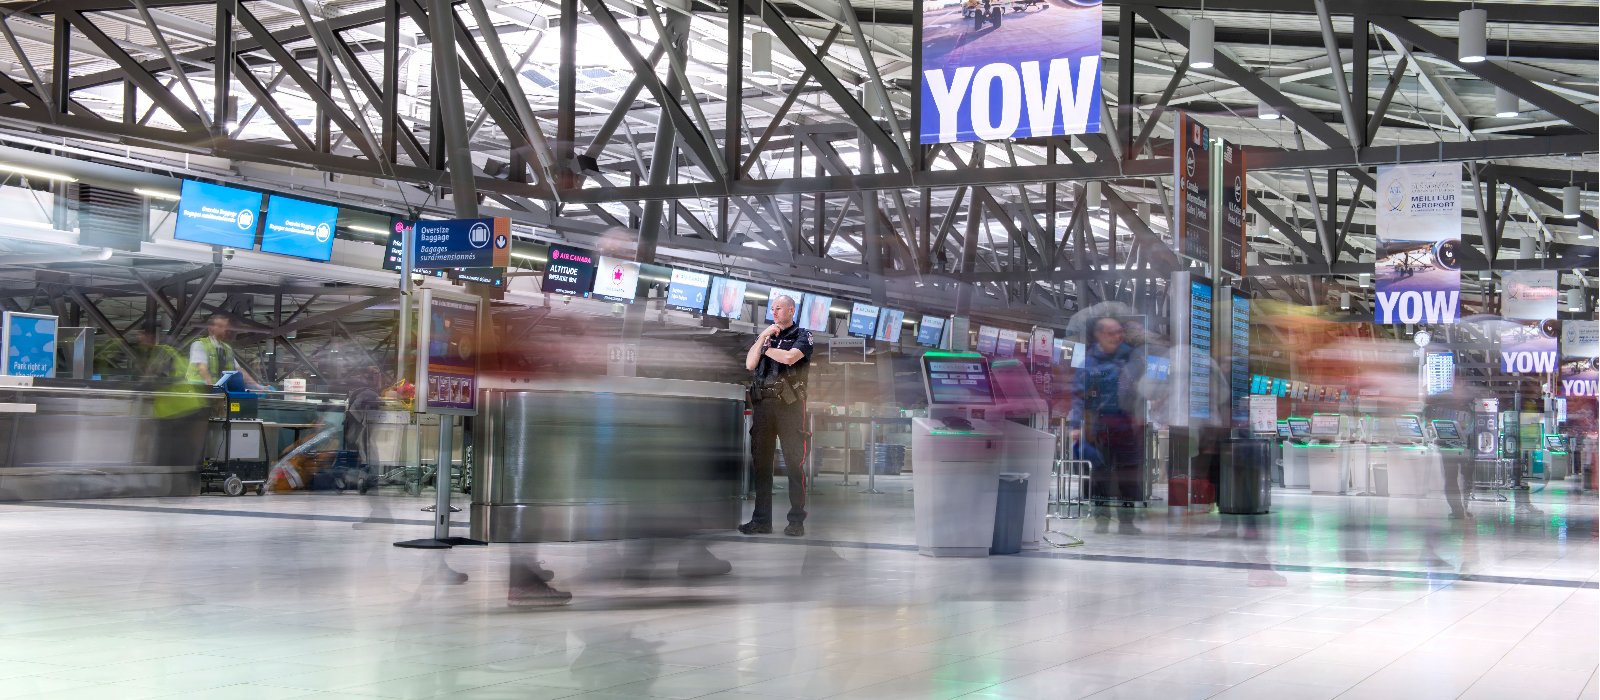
(1283,428)
(1408,429)
(1446,431)
(1325,426)
(1555,443)
(1299,428)
(958,384)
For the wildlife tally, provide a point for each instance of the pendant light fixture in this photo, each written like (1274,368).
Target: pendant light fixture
(1202,33)
(1473,43)
(1569,202)
(761,55)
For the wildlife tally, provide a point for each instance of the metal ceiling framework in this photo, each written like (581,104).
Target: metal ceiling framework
(576,116)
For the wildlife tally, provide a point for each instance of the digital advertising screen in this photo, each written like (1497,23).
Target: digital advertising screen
(814,313)
(863,320)
(687,291)
(1157,368)
(988,338)
(299,228)
(450,357)
(930,331)
(957,379)
(726,298)
(616,280)
(890,322)
(1006,343)
(772,297)
(1439,371)
(217,215)
(569,271)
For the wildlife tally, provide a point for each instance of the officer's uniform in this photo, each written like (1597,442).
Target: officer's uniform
(776,421)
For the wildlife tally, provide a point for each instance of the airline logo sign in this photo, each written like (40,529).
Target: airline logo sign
(1418,269)
(1531,344)
(1002,69)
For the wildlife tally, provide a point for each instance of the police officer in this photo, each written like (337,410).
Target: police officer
(777,361)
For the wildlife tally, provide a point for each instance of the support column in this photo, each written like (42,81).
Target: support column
(447,94)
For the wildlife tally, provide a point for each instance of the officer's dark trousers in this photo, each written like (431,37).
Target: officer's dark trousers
(1458,475)
(773,423)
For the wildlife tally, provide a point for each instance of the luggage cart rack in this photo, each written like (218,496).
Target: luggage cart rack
(1069,495)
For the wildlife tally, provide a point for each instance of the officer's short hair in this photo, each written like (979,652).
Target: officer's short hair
(784,297)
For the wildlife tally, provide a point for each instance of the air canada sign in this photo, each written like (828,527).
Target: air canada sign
(1009,69)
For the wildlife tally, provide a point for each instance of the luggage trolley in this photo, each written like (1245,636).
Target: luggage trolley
(235,454)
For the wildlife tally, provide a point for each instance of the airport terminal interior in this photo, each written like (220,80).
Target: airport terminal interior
(739,349)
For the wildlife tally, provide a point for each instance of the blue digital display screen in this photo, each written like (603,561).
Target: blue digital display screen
(863,320)
(217,215)
(687,291)
(931,331)
(299,228)
(889,324)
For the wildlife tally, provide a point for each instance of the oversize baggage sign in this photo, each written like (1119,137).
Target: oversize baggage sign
(453,243)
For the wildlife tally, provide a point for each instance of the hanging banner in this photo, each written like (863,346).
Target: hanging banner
(1007,69)
(1579,377)
(1191,191)
(1529,345)
(1418,270)
(1580,338)
(1234,196)
(1042,347)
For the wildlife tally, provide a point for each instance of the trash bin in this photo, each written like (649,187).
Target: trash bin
(1011,502)
(1246,477)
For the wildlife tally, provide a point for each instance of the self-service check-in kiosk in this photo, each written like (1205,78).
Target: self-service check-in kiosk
(1296,463)
(955,456)
(1326,466)
(1413,464)
(1554,458)
(1027,449)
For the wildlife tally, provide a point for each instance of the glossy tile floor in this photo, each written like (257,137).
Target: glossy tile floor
(1330,597)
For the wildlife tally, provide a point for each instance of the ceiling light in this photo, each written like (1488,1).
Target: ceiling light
(1472,29)
(761,55)
(1506,104)
(1575,299)
(367,229)
(30,172)
(1091,194)
(1526,248)
(157,194)
(1201,33)
(1344,301)
(1584,232)
(1078,145)
(1263,109)
(1569,202)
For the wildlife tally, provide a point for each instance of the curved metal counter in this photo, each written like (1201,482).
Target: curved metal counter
(605,458)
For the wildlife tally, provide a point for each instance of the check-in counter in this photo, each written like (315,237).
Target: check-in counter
(605,458)
(1552,465)
(1326,468)
(84,439)
(71,438)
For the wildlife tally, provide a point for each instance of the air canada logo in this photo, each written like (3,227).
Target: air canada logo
(555,254)
(245,219)
(616,275)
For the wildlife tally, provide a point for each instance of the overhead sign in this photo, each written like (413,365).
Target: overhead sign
(1529,295)
(1191,206)
(988,339)
(726,299)
(1235,196)
(775,292)
(1580,338)
(1531,344)
(1042,347)
(570,271)
(217,215)
(1418,268)
(448,356)
(814,317)
(616,280)
(299,228)
(1579,376)
(890,323)
(1006,343)
(1003,69)
(863,320)
(463,243)
(930,331)
(28,344)
(687,292)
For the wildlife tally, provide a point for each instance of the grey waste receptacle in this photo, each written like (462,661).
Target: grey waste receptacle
(1011,503)
(1246,487)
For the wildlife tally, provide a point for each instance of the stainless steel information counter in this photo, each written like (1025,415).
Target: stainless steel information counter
(605,458)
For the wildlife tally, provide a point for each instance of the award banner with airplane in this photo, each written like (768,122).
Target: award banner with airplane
(1418,269)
